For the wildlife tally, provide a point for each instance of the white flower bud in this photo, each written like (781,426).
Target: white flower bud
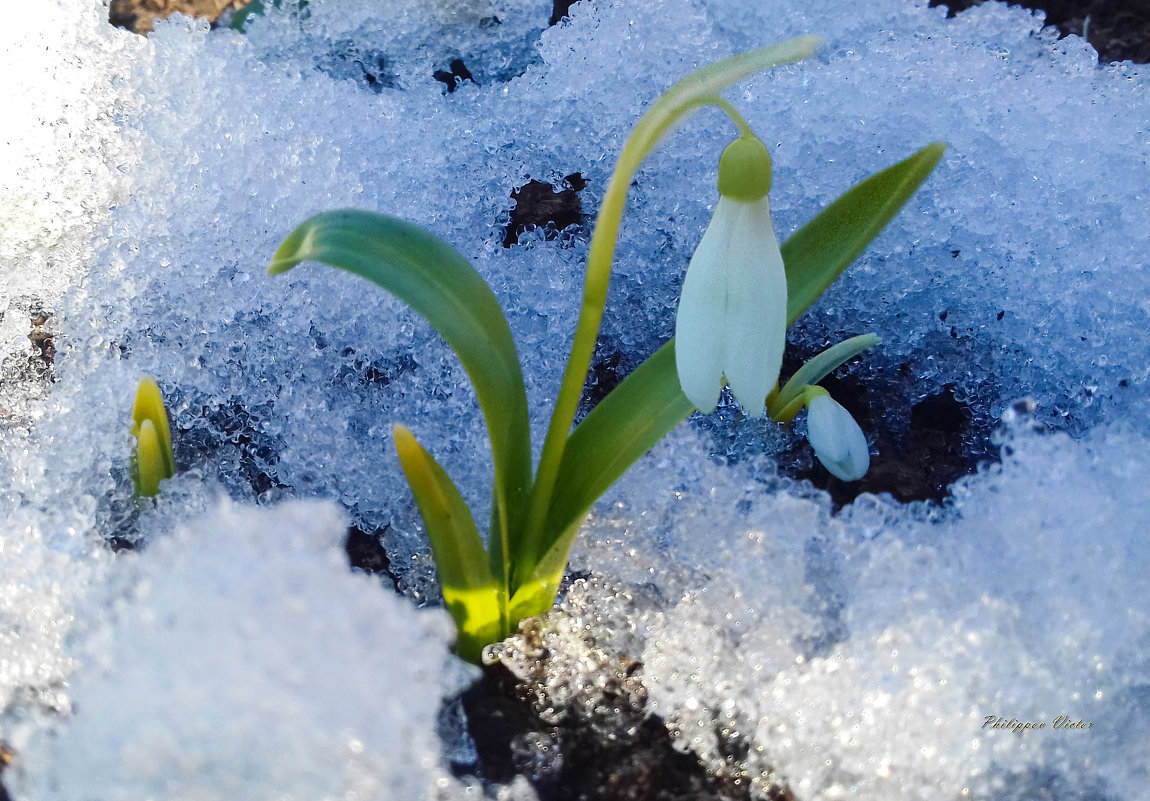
(838,441)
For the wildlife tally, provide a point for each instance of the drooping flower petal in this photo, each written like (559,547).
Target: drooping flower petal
(837,440)
(733,309)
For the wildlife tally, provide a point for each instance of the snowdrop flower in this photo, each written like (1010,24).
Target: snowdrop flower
(732,317)
(836,438)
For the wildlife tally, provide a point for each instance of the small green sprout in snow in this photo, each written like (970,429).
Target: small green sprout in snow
(835,437)
(741,292)
(152,459)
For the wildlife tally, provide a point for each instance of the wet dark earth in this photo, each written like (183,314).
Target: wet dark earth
(1118,29)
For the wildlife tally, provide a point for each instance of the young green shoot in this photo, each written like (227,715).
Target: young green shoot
(152,459)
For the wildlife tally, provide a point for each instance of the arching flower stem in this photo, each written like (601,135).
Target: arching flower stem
(690,94)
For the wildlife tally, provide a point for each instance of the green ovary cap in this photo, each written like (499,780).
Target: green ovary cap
(745,170)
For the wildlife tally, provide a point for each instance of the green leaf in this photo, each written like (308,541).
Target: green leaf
(786,403)
(639,412)
(240,17)
(149,405)
(469,589)
(825,363)
(536,593)
(257,8)
(148,461)
(438,283)
(819,251)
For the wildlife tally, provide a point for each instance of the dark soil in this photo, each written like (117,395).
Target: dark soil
(540,205)
(141,15)
(567,761)
(365,552)
(590,739)
(7,755)
(920,445)
(1118,29)
(455,74)
(43,343)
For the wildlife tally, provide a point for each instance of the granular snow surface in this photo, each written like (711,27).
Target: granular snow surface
(865,653)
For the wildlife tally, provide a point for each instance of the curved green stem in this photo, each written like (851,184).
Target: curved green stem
(801,398)
(815,371)
(688,95)
(733,113)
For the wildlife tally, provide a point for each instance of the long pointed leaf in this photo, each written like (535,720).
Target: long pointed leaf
(626,424)
(149,405)
(536,593)
(639,412)
(148,468)
(819,367)
(817,253)
(438,282)
(469,589)
(648,403)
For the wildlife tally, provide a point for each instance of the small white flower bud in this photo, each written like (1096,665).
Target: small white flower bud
(838,441)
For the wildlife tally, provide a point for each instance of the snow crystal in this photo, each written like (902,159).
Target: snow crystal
(866,666)
(147,181)
(242,659)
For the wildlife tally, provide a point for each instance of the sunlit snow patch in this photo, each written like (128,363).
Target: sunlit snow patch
(242,659)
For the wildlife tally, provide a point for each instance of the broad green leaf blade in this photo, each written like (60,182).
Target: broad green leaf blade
(639,412)
(536,594)
(437,281)
(469,589)
(819,251)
